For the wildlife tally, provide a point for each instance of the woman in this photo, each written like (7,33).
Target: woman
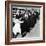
(16,28)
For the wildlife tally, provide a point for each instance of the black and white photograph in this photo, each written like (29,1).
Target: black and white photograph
(24,21)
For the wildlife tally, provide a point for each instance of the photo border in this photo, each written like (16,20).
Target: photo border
(7,22)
